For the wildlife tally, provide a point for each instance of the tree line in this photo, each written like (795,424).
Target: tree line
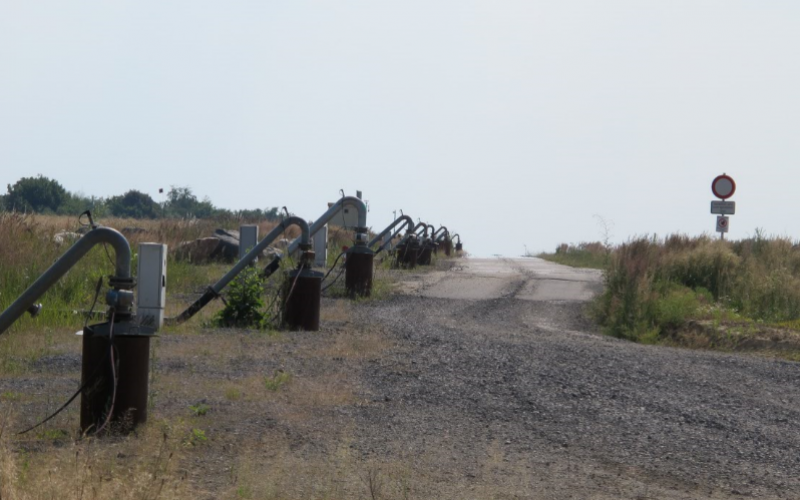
(47,196)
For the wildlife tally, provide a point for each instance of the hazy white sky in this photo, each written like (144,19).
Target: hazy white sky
(514,123)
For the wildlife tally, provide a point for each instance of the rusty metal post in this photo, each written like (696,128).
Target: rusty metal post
(425,253)
(130,371)
(301,295)
(358,271)
(408,253)
(301,308)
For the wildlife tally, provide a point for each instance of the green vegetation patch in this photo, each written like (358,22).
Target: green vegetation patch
(585,255)
(680,289)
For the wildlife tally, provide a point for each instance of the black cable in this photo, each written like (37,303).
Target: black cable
(63,407)
(71,399)
(334,264)
(334,280)
(105,247)
(90,379)
(113,373)
(94,301)
(288,295)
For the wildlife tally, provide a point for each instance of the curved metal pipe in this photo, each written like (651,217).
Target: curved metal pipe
(391,247)
(437,232)
(97,235)
(456,236)
(421,225)
(345,201)
(213,291)
(405,218)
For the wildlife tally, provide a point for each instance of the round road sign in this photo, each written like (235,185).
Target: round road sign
(723,187)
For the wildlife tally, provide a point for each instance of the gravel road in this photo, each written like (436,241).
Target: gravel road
(501,385)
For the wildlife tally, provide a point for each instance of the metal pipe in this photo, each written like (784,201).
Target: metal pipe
(97,235)
(456,236)
(388,245)
(345,201)
(213,291)
(421,225)
(405,218)
(437,232)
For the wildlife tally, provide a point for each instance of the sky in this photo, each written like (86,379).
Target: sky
(519,125)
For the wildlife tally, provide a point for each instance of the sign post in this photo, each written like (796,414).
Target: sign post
(723,187)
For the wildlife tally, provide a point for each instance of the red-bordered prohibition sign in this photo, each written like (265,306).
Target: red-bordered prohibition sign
(723,186)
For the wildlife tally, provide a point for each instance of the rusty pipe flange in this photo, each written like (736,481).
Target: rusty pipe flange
(119,283)
(307,259)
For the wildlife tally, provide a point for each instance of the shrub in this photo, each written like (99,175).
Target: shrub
(244,306)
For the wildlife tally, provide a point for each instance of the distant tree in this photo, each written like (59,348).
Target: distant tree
(76,203)
(181,202)
(272,214)
(133,204)
(37,194)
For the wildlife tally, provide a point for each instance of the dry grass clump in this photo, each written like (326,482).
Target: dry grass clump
(144,466)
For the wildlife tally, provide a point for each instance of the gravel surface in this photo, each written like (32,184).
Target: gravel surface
(499,379)
(483,379)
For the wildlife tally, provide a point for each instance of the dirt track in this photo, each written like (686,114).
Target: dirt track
(502,386)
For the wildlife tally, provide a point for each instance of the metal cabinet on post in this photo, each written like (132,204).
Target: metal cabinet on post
(152,284)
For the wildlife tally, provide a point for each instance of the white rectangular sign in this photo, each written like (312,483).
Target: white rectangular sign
(723,207)
(722,224)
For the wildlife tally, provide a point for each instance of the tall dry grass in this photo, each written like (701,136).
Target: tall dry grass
(653,284)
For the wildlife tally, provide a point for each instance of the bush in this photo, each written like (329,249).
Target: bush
(244,306)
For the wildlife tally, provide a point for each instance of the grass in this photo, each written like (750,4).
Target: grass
(681,290)
(586,255)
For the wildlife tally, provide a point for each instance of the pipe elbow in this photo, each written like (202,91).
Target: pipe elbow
(305,232)
(122,248)
(359,205)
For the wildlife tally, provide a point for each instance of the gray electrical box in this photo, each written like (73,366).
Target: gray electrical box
(248,239)
(321,247)
(346,217)
(151,287)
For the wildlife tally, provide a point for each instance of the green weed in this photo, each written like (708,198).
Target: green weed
(196,437)
(277,380)
(199,409)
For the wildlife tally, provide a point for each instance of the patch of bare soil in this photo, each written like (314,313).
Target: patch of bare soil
(741,336)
